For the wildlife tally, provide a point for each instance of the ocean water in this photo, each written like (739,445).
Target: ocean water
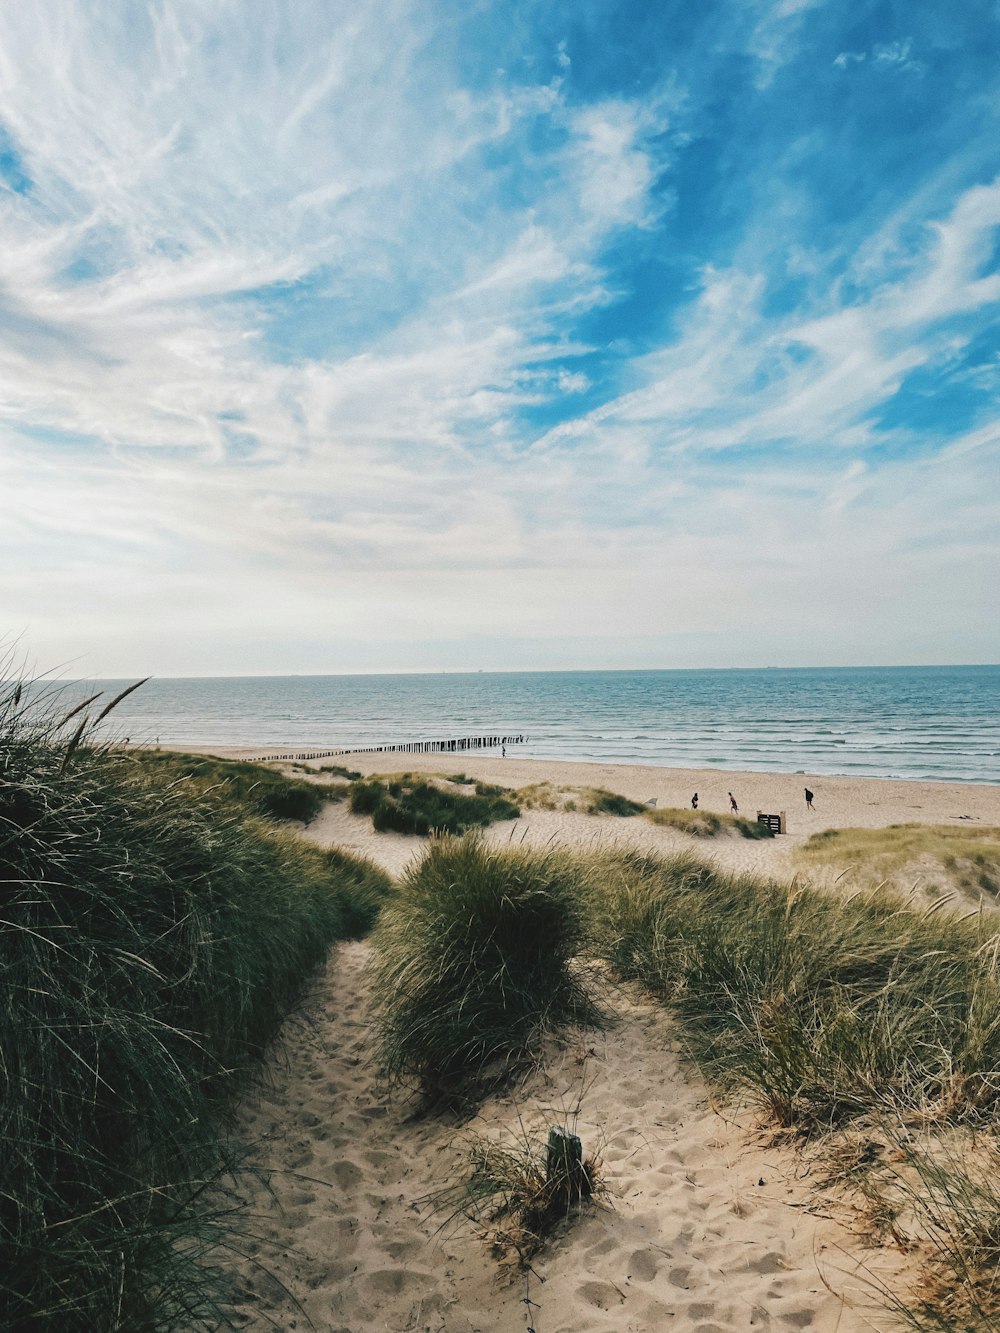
(910,722)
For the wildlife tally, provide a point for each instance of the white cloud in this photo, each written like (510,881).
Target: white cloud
(170,467)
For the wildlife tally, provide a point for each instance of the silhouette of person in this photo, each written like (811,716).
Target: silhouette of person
(809,799)
(503,752)
(694,801)
(732,804)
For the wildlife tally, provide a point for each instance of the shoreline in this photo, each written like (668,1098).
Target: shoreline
(840,801)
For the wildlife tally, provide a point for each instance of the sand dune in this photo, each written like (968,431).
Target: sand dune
(703,1228)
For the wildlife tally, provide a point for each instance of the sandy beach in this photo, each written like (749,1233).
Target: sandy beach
(839,802)
(706,1225)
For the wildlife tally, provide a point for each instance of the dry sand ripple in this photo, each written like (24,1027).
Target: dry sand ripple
(703,1230)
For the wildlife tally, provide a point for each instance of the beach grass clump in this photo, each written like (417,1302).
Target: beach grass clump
(411,804)
(821,1008)
(966,858)
(338,771)
(475,962)
(542,796)
(597,801)
(521,1193)
(947,1195)
(151,941)
(252,787)
(707,823)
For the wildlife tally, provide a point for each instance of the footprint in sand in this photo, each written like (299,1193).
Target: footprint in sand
(346,1174)
(643,1265)
(601,1294)
(397,1282)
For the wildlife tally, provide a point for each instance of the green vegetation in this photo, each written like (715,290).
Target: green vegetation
(411,804)
(941,856)
(822,1008)
(339,771)
(520,1194)
(860,1015)
(252,787)
(601,802)
(474,959)
(542,796)
(151,941)
(707,824)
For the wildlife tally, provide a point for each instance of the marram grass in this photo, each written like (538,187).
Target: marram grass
(821,1007)
(411,804)
(252,787)
(150,944)
(940,857)
(474,962)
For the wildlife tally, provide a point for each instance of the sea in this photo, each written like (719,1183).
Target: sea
(938,723)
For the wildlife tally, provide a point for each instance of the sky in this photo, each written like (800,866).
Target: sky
(509,334)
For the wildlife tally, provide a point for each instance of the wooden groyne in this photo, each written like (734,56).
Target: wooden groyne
(455,746)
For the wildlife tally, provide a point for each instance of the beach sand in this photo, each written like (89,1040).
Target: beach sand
(704,1227)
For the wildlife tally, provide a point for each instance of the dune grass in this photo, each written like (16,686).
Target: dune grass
(338,771)
(949,1198)
(941,856)
(597,801)
(818,1007)
(411,804)
(707,824)
(474,962)
(841,1012)
(519,1194)
(252,787)
(151,940)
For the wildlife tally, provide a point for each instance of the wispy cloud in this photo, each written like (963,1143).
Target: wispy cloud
(408,327)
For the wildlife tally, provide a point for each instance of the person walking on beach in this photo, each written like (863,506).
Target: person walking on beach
(732,804)
(809,799)
(694,801)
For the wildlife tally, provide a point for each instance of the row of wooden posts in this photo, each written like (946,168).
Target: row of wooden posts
(407,747)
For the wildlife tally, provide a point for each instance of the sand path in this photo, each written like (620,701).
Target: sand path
(703,1230)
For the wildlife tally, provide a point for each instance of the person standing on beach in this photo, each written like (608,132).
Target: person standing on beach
(732,804)
(809,799)
(694,801)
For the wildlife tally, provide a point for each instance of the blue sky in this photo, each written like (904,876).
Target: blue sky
(420,336)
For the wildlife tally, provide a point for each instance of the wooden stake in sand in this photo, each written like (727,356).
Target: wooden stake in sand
(564,1165)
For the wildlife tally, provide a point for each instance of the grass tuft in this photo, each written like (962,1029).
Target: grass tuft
(251,787)
(601,802)
(941,856)
(517,1198)
(474,959)
(708,824)
(411,804)
(338,771)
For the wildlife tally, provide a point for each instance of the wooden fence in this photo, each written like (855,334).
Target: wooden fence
(455,746)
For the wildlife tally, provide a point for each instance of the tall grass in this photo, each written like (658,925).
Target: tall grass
(950,1199)
(253,787)
(150,944)
(940,855)
(708,824)
(820,1007)
(474,962)
(410,804)
(598,801)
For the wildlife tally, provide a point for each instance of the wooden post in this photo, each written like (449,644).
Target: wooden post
(564,1166)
